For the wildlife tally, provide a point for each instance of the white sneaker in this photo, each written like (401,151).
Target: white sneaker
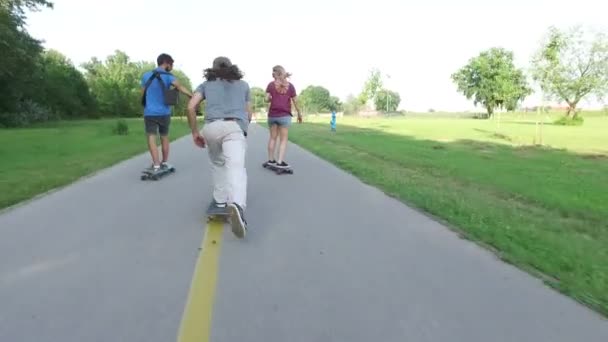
(237,220)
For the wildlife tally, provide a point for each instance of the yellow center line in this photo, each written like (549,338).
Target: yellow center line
(196,320)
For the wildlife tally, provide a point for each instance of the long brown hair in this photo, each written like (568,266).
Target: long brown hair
(223,69)
(280,76)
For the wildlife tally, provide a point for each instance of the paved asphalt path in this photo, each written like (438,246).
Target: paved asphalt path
(327,258)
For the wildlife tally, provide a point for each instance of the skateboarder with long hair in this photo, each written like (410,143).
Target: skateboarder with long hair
(281,94)
(227,116)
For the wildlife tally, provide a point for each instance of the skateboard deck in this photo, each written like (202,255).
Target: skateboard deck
(147,174)
(278,170)
(214,212)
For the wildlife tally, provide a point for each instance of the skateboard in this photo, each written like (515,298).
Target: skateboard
(147,174)
(214,212)
(278,170)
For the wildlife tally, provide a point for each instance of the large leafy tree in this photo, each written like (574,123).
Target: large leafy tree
(492,80)
(116,84)
(18,6)
(352,105)
(258,99)
(570,67)
(35,85)
(334,104)
(371,87)
(63,88)
(19,52)
(315,99)
(387,100)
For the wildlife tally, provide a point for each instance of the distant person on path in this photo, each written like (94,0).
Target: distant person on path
(332,123)
(157,99)
(281,94)
(227,115)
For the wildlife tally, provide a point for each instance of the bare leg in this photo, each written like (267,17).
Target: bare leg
(283,133)
(274,132)
(153,148)
(165,148)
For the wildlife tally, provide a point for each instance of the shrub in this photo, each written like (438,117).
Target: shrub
(28,112)
(566,121)
(121,127)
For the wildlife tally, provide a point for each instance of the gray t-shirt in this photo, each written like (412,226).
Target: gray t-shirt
(226,99)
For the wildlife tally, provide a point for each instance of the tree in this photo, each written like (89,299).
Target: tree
(17,48)
(15,42)
(19,53)
(258,99)
(36,85)
(116,84)
(352,105)
(315,99)
(63,88)
(18,6)
(492,79)
(387,100)
(16,10)
(371,86)
(569,67)
(334,104)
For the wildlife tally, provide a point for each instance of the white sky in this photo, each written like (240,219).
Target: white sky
(333,43)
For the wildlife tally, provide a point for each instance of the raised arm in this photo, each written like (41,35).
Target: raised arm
(181,88)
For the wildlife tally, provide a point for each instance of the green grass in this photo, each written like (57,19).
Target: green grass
(544,209)
(45,157)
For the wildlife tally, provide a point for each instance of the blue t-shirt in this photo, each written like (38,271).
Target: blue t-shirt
(155,100)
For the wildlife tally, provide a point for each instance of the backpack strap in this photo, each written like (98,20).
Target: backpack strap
(164,88)
(158,73)
(148,82)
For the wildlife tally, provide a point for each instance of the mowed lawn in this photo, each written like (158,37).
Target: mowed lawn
(544,209)
(35,160)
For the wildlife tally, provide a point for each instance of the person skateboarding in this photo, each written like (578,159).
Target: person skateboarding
(228,112)
(280,94)
(157,112)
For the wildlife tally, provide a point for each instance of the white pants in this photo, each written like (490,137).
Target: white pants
(227,146)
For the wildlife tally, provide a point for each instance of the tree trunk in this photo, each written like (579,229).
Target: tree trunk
(490,111)
(572,110)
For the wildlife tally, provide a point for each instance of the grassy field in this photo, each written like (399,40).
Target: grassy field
(544,209)
(541,208)
(42,158)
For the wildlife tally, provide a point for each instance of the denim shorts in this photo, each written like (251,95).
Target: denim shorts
(281,121)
